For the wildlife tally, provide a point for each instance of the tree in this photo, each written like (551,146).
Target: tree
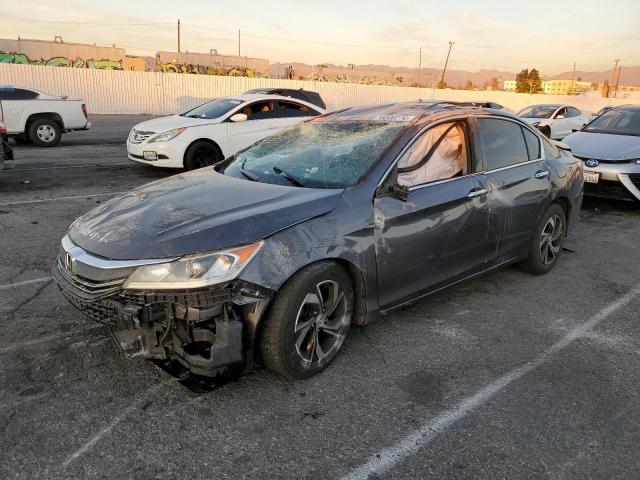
(468,85)
(528,81)
(442,84)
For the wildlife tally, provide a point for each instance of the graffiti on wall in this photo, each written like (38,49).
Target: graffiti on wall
(19,58)
(208,70)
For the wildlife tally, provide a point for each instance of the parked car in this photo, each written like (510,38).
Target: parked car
(39,118)
(331,222)
(604,110)
(483,104)
(214,130)
(7,151)
(554,120)
(300,94)
(610,148)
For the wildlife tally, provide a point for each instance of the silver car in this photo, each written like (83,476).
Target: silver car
(609,146)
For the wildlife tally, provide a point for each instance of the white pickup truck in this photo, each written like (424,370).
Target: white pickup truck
(39,118)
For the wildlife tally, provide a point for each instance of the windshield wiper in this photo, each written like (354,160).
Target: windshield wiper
(250,176)
(288,176)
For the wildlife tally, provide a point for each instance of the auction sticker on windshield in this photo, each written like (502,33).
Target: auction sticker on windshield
(591,177)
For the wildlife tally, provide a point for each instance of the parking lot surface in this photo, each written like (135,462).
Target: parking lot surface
(506,376)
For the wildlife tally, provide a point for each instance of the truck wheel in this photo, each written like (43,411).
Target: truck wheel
(45,132)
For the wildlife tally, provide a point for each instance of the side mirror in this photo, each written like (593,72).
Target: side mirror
(238,117)
(561,145)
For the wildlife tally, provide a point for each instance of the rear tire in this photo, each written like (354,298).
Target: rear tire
(308,321)
(45,132)
(546,244)
(201,154)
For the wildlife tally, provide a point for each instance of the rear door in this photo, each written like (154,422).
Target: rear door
(261,122)
(518,180)
(13,106)
(575,118)
(440,233)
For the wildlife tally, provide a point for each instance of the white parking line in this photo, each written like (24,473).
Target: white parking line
(8,286)
(98,436)
(56,167)
(388,457)
(73,197)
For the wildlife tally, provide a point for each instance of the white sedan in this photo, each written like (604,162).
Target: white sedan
(214,130)
(554,120)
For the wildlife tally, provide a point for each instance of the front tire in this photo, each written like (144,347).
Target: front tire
(546,245)
(45,132)
(308,321)
(201,154)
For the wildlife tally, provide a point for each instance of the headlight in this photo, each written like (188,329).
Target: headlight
(193,271)
(166,136)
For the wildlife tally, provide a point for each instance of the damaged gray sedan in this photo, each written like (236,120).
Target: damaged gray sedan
(274,253)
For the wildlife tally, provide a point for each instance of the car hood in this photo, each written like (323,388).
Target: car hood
(604,146)
(195,212)
(162,124)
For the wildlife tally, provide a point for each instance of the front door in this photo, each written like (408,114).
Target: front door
(441,233)
(261,122)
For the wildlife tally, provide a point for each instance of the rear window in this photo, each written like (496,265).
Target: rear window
(533,144)
(502,142)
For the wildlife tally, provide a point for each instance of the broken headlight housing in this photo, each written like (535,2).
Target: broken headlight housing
(166,136)
(193,271)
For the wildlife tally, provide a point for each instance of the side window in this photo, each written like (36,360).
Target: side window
(502,142)
(292,109)
(572,112)
(533,144)
(20,94)
(561,112)
(260,110)
(440,153)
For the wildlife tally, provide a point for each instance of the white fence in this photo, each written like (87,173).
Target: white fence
(120,91)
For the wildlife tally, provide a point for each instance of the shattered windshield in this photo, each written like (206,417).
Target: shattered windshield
(317,154)
(619,122)
(538,111)
(213,109)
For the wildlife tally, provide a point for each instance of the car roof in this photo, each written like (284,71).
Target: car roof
(417,112)
(629,106)
(554,105)
(249,97)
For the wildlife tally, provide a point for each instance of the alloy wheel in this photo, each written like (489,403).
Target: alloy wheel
(322,322)
(46,133)
(551,239)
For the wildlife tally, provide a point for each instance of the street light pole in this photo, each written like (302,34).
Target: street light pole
(446,62)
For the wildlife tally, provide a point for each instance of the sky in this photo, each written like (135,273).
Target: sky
(505,35)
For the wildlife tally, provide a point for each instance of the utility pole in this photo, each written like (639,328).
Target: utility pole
(573,76)
(613,74)
(419,65)
(446,62)
(615,89)
(238,42)
(178,35)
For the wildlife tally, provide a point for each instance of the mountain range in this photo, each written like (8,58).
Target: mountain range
(629,76)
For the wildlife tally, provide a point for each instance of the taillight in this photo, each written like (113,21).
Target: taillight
(3,129)
(84,110)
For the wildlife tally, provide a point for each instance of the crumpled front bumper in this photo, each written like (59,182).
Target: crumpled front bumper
(207,330)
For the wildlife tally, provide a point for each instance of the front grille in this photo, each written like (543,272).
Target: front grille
(608,189)
(92,288)
(139,136)
(635,179)
(105,312)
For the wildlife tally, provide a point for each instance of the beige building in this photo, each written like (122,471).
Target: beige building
(565,87)
(509,85)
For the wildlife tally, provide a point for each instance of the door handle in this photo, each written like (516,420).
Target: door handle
(542,174)
(478,192)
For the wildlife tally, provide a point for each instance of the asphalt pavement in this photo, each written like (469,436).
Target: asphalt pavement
(507,376)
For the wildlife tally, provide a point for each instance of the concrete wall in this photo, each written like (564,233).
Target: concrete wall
(211,64)
(113,91)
